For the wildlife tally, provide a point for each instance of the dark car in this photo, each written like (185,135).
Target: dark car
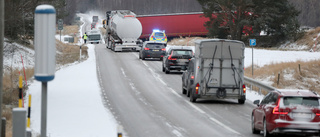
(287,111)
(176,59)
(152,49)
(188,78)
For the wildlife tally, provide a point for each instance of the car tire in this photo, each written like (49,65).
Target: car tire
(241,101)
(188,90)
(163,69)
(167,71)
(161,58)
(139,55)
(192,98)
(265,131)
(143,58)
(184,91)
(254,130)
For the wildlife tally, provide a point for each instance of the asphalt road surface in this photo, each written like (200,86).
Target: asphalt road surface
(148,102)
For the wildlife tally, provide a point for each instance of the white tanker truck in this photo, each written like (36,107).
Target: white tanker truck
(123,31)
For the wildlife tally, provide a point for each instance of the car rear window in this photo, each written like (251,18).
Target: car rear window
(306,101)
(158,34)
(181,52)
(155,45)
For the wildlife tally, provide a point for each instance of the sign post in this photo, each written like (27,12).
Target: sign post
(45,54)
(253,42)
(60,26)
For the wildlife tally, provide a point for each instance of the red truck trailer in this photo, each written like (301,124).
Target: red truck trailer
(181,24)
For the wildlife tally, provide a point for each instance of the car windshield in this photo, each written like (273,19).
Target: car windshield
(155,45)
(94,37)
(181,52)
(158,34)
(306,101)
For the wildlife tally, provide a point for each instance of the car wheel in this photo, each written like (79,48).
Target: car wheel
(167,71)
(143,58)
(265,131)
(188,90)
(254,130)
(139,56)
(184,91)
(192,98)
(241,101)
(161,58)
(163,69)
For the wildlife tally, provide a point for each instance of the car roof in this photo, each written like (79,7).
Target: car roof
(296,92)
(180,48)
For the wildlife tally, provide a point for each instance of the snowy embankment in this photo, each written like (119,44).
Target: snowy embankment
(75,107)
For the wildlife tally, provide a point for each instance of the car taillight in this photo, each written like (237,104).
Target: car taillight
(164,49)
(169,58)
(244,88)
(192,77)
(276,110)
(318,114)
(197,88)
(146,49)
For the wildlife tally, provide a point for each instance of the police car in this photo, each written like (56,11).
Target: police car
(159,36)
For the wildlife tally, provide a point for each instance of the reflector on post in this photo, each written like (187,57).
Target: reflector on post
(44,41)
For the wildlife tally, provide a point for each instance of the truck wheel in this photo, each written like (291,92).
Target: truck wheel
(192,98)
(241,101)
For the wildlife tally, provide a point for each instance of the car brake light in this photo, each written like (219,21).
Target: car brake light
(318,114)
(164,49)
(169,58)
(197,88)
(244,88)
(276,110)
(192,77)
(146,49)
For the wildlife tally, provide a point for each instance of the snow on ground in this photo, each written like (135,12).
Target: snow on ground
(75,107)
(14,53)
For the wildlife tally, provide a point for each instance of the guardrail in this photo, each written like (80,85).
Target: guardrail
(258,84)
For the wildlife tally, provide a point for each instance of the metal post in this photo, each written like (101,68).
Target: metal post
(19,122)
(60,35)
(3,133)
(44,110)
(1,53)
(80,54)
(252,61)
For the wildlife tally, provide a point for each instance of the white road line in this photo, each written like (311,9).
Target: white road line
(223,125)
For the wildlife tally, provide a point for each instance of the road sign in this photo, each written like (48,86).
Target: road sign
(60,24)
(253,42)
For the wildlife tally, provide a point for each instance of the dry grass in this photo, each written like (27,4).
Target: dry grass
(187,41)
(289,74)
(70,53)
(308,38)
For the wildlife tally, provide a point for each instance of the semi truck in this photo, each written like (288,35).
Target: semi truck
(219,70)
(175,25)
(123,30)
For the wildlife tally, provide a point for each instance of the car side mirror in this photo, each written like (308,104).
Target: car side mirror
(257,102)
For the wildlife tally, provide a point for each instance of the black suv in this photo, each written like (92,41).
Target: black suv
(176,59)
(188,78)
(152,49)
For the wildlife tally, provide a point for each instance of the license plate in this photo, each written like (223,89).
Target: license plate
(155,50)
(302,115)
(183,60)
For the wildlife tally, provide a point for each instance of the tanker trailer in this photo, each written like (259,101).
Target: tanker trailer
(123,29)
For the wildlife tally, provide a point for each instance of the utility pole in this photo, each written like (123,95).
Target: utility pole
(1,55)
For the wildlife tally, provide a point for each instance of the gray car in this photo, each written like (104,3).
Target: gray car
(152,49)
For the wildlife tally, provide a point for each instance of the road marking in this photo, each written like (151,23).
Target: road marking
(223,125)
(195,107)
